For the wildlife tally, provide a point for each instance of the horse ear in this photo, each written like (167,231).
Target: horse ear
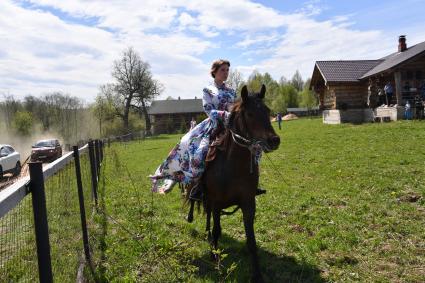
(244,93)
(262,92)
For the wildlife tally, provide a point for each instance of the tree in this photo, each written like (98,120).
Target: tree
(307,97)
(297,81)
(23,122)
(235,80)
(103,111)
(149,90)
(133,87)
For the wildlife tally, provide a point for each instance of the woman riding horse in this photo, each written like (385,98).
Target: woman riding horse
(186,162)
(231,178)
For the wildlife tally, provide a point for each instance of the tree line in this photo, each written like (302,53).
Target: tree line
(281,94)
(57,114)
(121,105)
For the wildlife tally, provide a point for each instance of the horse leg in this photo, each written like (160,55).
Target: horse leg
(208,224)
(216,232)
(248,220)
(190,214)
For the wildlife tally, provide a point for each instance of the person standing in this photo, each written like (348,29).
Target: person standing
(371,95)
(408,111)
(192,123)
(389,91)
(279,120)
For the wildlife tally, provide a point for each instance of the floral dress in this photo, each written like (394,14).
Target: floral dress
(186,161)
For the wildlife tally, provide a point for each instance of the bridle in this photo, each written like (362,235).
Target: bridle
(254,146)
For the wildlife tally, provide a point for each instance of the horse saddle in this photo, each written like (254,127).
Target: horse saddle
(217,142)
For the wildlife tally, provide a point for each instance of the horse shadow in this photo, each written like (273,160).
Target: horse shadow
(275,268)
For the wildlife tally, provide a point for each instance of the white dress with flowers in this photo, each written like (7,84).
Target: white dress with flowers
(186,161)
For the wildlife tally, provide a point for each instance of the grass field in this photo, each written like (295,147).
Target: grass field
(344,203)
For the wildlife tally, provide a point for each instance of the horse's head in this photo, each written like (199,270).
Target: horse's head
(250,118)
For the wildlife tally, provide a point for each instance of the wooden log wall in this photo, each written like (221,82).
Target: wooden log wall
(350,95)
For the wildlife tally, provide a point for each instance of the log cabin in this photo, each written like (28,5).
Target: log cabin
(174,115)
(342,86)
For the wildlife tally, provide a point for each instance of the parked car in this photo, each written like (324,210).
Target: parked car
(9,160)
(46,150)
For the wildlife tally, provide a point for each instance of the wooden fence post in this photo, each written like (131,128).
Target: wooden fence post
(40,222)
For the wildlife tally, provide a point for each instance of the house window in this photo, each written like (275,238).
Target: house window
(419,75)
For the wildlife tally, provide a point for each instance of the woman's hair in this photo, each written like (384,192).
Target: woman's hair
(217,64)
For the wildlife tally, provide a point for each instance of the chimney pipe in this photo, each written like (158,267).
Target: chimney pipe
(402,43)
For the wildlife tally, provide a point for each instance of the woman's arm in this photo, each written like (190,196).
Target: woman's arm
(210,108)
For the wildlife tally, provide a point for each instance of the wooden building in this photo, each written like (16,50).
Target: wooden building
(174,115)
(341,86)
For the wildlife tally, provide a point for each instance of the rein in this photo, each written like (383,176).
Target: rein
(252,145)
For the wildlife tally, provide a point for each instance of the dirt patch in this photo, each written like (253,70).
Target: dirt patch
(410,197)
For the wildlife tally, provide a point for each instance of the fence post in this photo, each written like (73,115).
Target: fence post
(40,222)
(93,171)
(96,147)
(82,207)
(101,151)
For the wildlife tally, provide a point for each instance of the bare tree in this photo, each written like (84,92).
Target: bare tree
(235,80)
(150,89)
(134,86)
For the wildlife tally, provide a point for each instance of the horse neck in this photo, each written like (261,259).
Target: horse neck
(236,151)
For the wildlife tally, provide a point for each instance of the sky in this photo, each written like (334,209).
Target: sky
(70,46)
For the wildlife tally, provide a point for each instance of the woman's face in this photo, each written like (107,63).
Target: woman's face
(222,73)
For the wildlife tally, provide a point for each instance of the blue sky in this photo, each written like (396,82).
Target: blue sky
(69,46)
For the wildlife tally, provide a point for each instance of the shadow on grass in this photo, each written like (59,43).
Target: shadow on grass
(275,268)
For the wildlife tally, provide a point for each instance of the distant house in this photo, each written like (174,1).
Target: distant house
(341,86)
(174,115)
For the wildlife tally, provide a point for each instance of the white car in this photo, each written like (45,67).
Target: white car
(10,160)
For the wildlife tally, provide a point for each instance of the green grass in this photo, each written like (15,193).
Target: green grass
(18,256)
(342,205)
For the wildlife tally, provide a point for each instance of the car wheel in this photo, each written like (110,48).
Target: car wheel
(18,168)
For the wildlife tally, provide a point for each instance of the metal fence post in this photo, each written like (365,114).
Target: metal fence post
(40,222)
(96,147)
(93,171)
(82,207)
(101,150)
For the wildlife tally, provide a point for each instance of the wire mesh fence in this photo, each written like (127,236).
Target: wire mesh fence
(67,207)
(18,259)
(64,223)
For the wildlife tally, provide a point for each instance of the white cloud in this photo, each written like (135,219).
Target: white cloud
(42,52)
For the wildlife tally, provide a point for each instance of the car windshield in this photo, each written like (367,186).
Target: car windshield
(45,144)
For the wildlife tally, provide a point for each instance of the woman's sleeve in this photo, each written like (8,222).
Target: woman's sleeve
(210,108)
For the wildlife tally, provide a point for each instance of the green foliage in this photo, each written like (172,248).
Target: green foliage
(307,99)
(297,81)
(23,122)
(345,203)
(280,95)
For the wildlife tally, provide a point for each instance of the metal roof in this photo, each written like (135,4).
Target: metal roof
(396,59)
(176,106)
(345,71)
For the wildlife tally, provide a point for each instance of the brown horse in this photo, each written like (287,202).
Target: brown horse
(231,178)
